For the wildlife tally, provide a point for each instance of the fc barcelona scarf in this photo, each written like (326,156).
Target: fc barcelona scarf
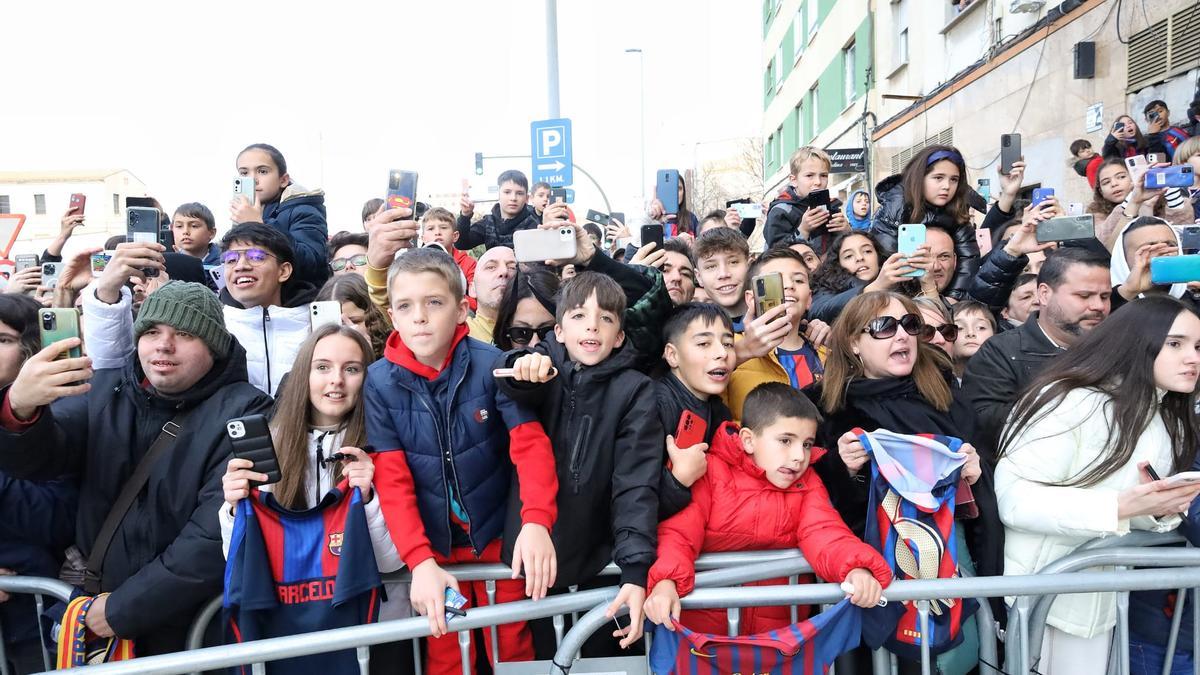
(805,648)
(77,647)
(910,520)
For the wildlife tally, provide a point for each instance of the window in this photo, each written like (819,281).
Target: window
(779,67)
(799,124)
(4,205)
(772,79)
(813,13)
(815,112)
(798,40)
(848,72)
(769,155)
(779,146)
(39,204)
(900,25)
(116,204)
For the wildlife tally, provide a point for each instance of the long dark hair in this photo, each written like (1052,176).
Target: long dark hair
(912,179)
(1101,206)
(529,281)
(291,421)
(831,276)
(1117,359)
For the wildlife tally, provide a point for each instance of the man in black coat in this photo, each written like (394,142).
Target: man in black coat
(165,558)
(1073,292)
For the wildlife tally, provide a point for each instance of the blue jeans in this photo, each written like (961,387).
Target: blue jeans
(1146,658)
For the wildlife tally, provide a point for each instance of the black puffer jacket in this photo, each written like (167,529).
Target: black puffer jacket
(165,559)
(893,212)
(994,282)
(608,448)
(783,223)
(673,399)
(494,229)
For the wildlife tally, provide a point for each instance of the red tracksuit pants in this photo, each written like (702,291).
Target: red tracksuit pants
(516,642)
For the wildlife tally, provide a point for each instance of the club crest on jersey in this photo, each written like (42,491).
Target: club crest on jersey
(481,415)
(335,543)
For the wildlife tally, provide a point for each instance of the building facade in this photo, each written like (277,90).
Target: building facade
(818,57)
(44,196)
(911,73)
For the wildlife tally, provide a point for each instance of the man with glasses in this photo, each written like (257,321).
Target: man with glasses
(1073,291)
(348,253)
(265,308)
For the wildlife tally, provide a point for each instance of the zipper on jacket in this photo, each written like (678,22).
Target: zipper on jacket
(576,465)
(453,391)
(267,350)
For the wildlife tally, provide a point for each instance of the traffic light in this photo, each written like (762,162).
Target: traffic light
(479,164)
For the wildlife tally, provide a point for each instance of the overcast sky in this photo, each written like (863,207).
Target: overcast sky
(348,90)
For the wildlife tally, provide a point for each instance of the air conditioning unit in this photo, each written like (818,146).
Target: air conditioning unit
(1026,6)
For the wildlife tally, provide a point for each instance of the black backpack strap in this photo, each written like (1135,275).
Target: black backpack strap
(95,562)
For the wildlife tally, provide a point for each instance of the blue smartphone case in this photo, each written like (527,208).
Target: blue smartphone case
(666,189)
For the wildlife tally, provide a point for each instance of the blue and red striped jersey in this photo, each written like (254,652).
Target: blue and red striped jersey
(805,648)
(294,572)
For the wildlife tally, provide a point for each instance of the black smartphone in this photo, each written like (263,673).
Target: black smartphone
(251,439)
(653,233)
(598,218)
(1010,151)
(1189,238)
(617,216)
(558,195)
(402,189)
(142,225)
(1066,228)
(817,199)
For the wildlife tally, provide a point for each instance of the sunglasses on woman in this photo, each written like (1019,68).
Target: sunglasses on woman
(884,327)
(949,332)
(521,335)
(339,264)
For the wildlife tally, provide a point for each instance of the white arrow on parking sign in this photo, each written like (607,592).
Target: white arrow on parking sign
(554,166)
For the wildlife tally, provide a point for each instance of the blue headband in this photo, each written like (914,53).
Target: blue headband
(944,154)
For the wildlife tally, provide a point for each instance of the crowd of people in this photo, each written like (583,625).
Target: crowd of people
(468,408)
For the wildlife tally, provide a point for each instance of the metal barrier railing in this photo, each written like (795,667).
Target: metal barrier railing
(920,591)
(38,587)
(360,637)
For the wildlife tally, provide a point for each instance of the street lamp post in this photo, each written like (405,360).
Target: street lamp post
(642,118)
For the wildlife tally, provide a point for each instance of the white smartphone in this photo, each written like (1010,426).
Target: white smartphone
(1153,158)
(217,274)
(325,312)
(243,186)
(748,210)
(1136,161)
(50,273)
(541,245)
(1075,209)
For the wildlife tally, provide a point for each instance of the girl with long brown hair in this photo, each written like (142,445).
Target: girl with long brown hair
(319,414)
(932,190)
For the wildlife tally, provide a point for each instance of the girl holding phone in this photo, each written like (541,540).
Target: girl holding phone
(286,206)
(1072,456)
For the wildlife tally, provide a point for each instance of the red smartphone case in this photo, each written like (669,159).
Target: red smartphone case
(691,430)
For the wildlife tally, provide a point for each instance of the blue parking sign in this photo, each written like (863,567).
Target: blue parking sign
(551,151)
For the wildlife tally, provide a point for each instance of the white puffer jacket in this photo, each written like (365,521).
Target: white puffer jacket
(1044,522)
(271,337)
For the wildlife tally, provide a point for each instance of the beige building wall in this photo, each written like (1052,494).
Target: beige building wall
(1032,91)
(106,191)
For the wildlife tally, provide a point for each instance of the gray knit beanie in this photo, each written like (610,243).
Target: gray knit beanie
(188,307)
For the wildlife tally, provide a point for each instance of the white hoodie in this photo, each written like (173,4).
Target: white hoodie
(1119,266)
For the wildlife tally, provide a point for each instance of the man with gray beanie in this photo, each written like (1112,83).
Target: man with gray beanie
(156,423)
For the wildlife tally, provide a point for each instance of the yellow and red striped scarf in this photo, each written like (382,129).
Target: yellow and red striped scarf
(74,647)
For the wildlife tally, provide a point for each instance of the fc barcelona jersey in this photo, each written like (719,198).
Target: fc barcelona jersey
(805,648)
(294,572)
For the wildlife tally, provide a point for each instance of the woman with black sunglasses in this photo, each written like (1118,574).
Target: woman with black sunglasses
(526,314)
(881,374)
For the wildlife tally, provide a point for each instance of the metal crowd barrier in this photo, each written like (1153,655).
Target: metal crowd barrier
(38,587)
(1033,596)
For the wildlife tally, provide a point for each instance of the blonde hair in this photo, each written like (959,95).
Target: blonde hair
(1187,150)
(802,155)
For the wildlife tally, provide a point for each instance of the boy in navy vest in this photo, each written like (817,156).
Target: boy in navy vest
(447,444)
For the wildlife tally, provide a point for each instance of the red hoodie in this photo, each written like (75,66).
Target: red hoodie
(735,508)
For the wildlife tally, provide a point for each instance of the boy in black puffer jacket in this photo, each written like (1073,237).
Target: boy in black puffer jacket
(512,212)
(792,216)
(602,419)
(932,190)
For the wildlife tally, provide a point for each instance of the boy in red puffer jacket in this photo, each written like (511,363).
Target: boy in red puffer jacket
(759,493)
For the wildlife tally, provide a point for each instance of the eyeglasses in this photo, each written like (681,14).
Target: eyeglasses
(339,264)
(521,335)
(255,256)
(884,327)
(949,332)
